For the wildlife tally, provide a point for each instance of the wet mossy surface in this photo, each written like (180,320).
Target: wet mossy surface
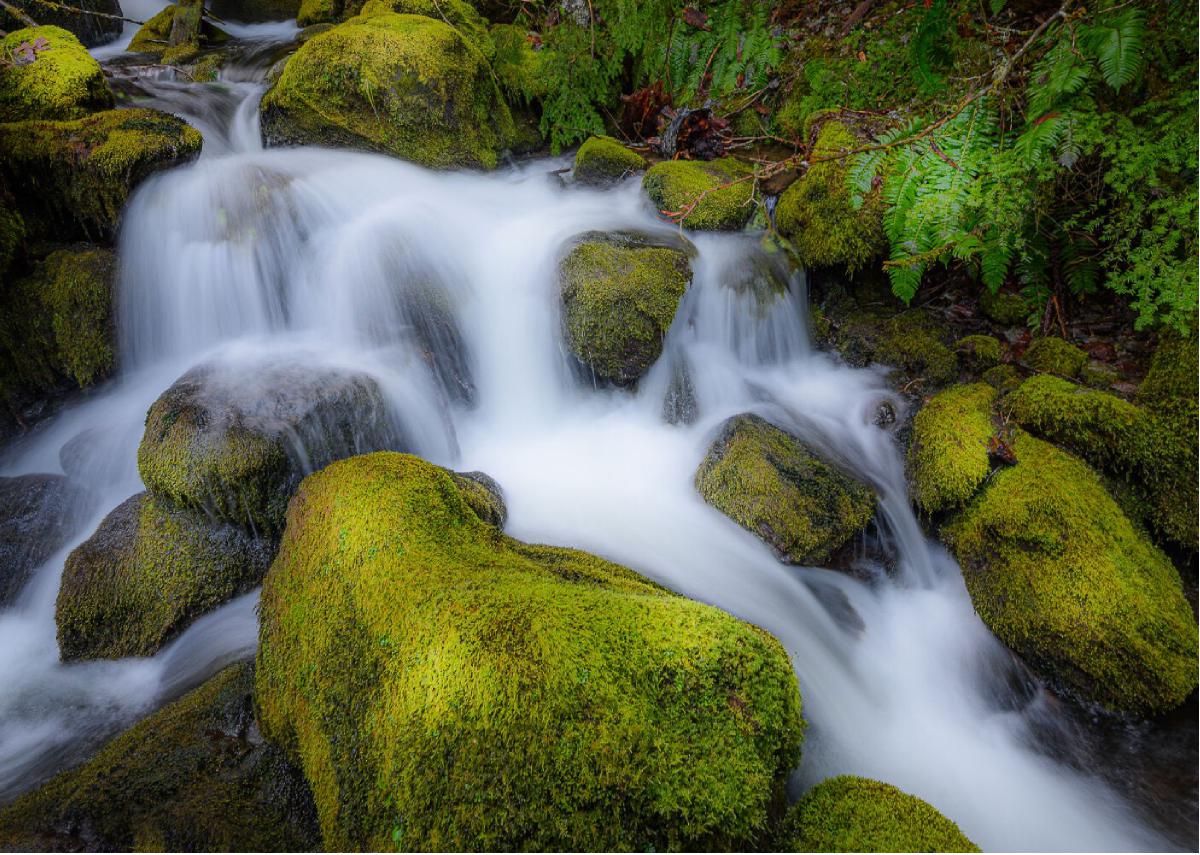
(255,10)
(852,814)
(1061,575)
(620,292)
(948,455)
(194,777)
(62,81)
(603,160)
(716,194)
(979,353)
(457,13)
(911,341)
(145,574)
(447,687)
(405,85)
(773,485)
(1052,355)
(1004,307)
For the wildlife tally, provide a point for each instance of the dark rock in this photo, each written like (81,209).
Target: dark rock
(38,515)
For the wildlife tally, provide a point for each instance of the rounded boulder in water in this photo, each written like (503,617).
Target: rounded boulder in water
(38,515)
(48,74)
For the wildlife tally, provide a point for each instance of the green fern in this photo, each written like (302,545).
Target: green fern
(1116,41)
(738,51)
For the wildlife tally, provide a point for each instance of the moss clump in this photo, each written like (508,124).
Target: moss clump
(1052,355)
(177,33)
(912,343)
(978,353)
(673,185)
(154,35)
(1004,307)
(457,13)
(603,160)
(1060,574)
(447,687)
(771,484)
(405,85)
(852,814)
(1170,386)
(318,12)
(193,777)
(1002,378)
(62,81)
(620,293)
(256,10)
(816,214)
(73,178)
(147,573)
(948,457)
(1154,453)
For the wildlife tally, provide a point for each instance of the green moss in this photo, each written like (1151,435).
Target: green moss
(255,10)
(318,12)
(147,573)
(912,342)
(457,13)
(447,687)
(948,456)
(852,814)
(1060,574)
(620,294)
(1052,355)
(1004,307)
(154,35)
(62,82)
(193,777)
(1151,451)
(517,65)
(603,160)
(1003,378)
(978,353)
(1171,383)
(771,484)
(673,185)
(12,232)
(816,214)
(73,178)
(404,85)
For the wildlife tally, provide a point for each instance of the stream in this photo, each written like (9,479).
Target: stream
(298,255)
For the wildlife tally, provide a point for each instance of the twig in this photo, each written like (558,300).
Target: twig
(75,10)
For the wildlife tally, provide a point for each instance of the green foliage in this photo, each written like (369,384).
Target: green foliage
(740,42)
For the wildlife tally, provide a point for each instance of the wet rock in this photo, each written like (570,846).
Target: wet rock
(540,658)
(620,292)
(38,515)
(771,484)
(193,777)
(234,441)
(254,11)
(484,496)
(94,456)
(428,312)
(148,572)
(178,33)
(602,160)
(704,193)
(91,30)
(62,81)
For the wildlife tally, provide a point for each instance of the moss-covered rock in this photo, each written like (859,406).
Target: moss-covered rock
(405,85)
(1004,307)
(234,442)
(38,515)
(911,341)
(193,777)
(716,194)
(1062,576)
(771,484)
(313,12)
(154,35)
(1002,378)
(92,30)
(148,572)
(457,13)
(1051,355)
(61,81)
(948,455)
(178,33)
(978,353)
(451,688)
(620,292)
(603,160)
(852,814)
(73,178)
(816,213)
(255,10)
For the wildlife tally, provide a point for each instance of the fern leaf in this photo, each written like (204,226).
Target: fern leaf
(1116,42)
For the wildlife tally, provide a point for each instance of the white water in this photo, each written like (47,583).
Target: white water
(302,252)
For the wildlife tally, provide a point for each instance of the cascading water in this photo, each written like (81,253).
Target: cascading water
(442,287)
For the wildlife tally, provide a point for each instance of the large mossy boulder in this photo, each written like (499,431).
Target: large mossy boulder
(1062,576)
(716,194)
(602,160)
(405,85)
(92,30)
(817,215)
(194,777)
(48,74)
(773,485)
(457,13)
(620,292)
(451,688)
(73,178)
(852,814)
(148,572)
(233,441)
(948,455)
(38,515)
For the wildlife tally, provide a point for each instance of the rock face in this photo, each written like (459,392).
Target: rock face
(59,81)
(405,85)
(852,814)
(1058,572)
(452,688)
(771,484)
(948,455)
(252,11)
(193,777)
(73,178)
(620,292)
(38,515)
(603,160)
(235,442)
(91,30)
(673,185)
(177,33)
(147,573)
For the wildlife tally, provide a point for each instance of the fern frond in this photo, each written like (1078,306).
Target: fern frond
(1116,41)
